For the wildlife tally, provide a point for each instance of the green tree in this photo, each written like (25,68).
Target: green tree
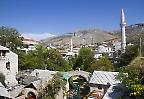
(21,60)
(43,58)
(11,38)
(33,59)
(103,64)
(132,77)
(54,86)
(2,79)
(56,62)
(84,59)
(129,55)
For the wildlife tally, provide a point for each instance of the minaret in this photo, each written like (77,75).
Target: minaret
(123,36)
(71,46)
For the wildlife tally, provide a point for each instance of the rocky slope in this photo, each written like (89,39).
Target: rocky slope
(133,32)
(81,37)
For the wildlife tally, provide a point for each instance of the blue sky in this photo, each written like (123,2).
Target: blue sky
(61,16)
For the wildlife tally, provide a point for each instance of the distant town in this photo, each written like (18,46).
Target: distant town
(85,64)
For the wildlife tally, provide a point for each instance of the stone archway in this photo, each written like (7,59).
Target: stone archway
(69,74)
(31,95)
(30,92)
(82,74)
(81,82)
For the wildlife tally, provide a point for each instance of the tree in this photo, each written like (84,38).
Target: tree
(33,59)
(10,37)
(103,64)
(84,59)
(56,62)
(129,55)
(43,58)
(132,77)
(22,59)
(2,79)
(54,86)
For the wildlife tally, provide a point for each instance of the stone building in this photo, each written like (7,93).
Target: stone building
(8,65)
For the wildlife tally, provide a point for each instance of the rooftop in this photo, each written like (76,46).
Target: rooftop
(104,78)
(3,91)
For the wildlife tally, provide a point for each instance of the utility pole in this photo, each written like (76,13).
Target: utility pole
(140,48)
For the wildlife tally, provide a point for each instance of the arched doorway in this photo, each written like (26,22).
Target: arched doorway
(78,87)
(31,95)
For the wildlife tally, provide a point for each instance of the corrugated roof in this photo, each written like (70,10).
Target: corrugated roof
(28,79)
(44,75)
(3,91)
(104,77)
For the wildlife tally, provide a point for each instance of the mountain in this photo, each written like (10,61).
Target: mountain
(81,37)
(133,32)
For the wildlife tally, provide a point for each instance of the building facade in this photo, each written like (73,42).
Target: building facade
(8,65)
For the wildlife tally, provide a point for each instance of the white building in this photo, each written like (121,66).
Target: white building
(116,45)
(50,46)
(98,55)
(30,43)
(8,65)
(104,49)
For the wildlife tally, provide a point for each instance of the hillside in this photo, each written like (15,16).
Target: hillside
(81,37)
(138,62)
(134,32)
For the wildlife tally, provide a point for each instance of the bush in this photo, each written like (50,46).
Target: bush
(2,79)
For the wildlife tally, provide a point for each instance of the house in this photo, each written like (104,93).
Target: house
(116,45)
(50,46)
(8,65)
(98,55)
(103,49)
(67,53)
(30,44)
(102,81)
(39,80)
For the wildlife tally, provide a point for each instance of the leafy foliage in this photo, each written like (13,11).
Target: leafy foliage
(10,37)
(2,79)
(56,62)
(54,86)
(132,77)
(103,64)
(129,55)
(84,59)
(43,58)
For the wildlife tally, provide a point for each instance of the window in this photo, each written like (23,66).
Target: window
(4,54)
(99,86)
(8,65)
